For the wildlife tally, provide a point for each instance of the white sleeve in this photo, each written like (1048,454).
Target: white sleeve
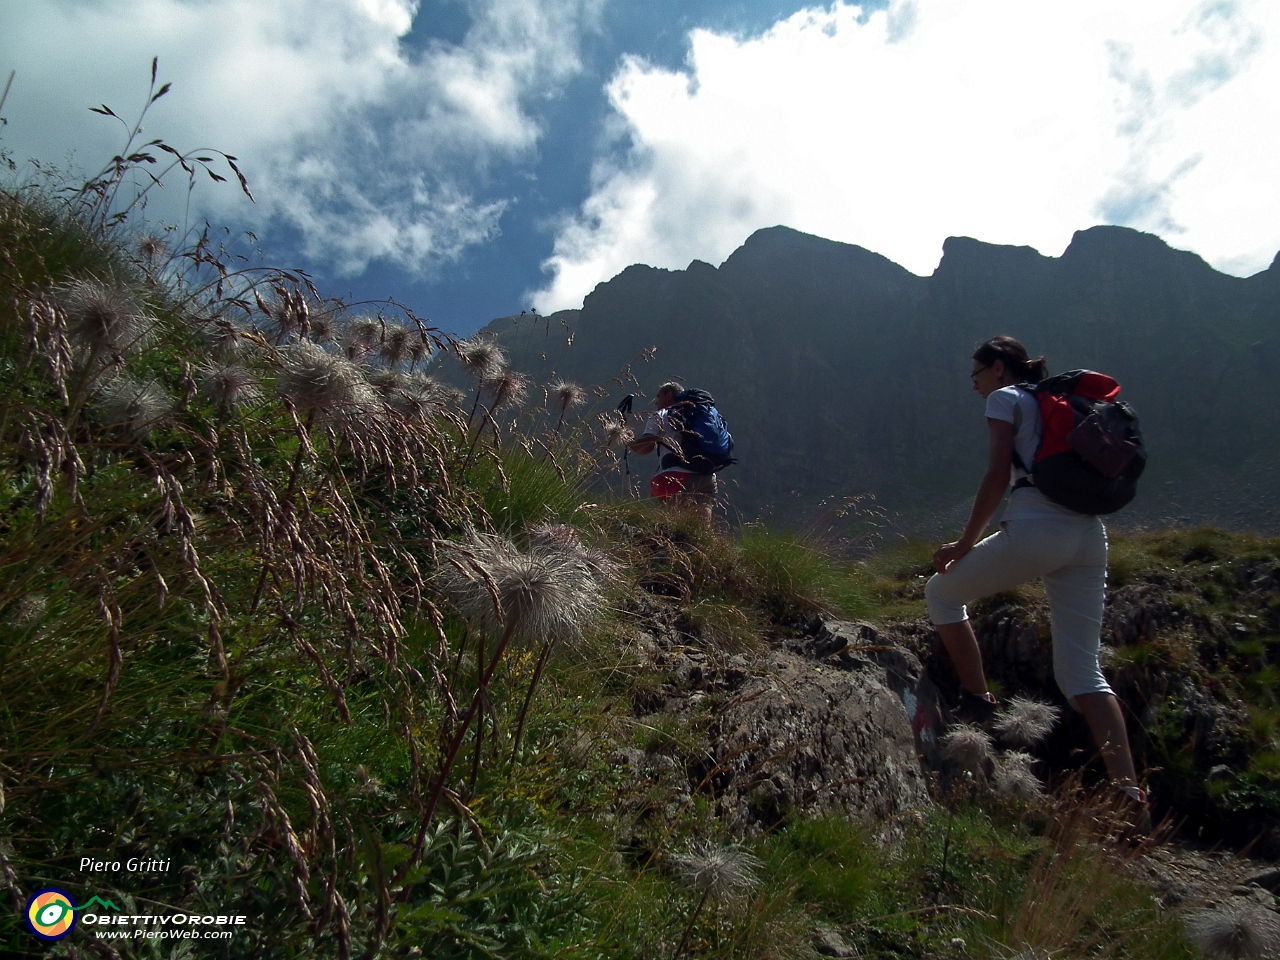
(1001,404)
(653,427)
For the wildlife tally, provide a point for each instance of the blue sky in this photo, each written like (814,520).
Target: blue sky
(476,157)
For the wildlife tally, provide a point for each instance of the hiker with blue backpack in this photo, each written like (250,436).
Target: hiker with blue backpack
(1070,451)
(692,442)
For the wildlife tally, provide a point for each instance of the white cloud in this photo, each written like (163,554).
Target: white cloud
(1009,121)
(371,150)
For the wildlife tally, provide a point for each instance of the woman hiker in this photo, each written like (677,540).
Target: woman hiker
(1037,538)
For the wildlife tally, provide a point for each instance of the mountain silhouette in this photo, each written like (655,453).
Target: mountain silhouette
(841,373)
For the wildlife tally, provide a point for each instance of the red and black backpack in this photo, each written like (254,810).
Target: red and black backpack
(1091,452)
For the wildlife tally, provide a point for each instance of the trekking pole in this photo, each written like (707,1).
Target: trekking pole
(624,408)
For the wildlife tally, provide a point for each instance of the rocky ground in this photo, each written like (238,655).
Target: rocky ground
(846,716)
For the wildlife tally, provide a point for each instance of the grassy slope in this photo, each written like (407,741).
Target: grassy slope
(276,735)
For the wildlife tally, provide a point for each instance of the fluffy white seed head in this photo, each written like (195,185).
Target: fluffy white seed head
(104,320)
(1024,723)
(29,609)
(229,384)
(1013,776)
(132,405)
(568,395)
(395,347)
(616,431)
(360,337)
(966,746)
(418,397)
(546,592)
(324,383)
(507,387)
(1246,932)
(561,536)
(482,357)
(718,870)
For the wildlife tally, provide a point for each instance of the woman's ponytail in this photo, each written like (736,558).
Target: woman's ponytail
(1014,356)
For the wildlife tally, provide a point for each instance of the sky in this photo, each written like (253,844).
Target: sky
(473,158)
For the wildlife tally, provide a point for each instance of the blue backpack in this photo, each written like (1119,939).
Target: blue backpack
(705,441)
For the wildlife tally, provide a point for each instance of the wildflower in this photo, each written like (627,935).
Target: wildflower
(507,387)
(1013,776)
(102,319)
(1024,723)
(482,357)
(229,384)
(966,746)
(321,382)
(546,592)
(138,407)
(716,870)
(1246,932)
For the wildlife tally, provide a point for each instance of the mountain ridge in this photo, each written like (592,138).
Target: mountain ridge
(844,374)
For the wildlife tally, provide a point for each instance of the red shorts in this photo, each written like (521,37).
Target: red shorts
(665,485)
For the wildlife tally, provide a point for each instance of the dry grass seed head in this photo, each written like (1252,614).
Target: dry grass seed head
(1024,722)
(545,592)
(482,357)
(229,384)
(134,406)
(104,319)
(966,746)
(322,382)
(1013,776)
(717,870)
(1246,932)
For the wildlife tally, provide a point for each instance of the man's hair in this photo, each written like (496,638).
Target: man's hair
(670,387)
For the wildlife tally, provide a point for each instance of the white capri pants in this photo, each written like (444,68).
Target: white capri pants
(1070,556)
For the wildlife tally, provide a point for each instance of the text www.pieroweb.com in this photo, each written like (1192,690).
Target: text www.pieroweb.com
(163,927)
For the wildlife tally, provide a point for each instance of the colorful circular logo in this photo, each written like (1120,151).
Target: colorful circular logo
(51,914)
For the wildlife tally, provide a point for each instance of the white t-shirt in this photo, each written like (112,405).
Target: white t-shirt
(1022,409)
(666,425)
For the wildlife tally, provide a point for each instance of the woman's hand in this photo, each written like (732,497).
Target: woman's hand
(949,553)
